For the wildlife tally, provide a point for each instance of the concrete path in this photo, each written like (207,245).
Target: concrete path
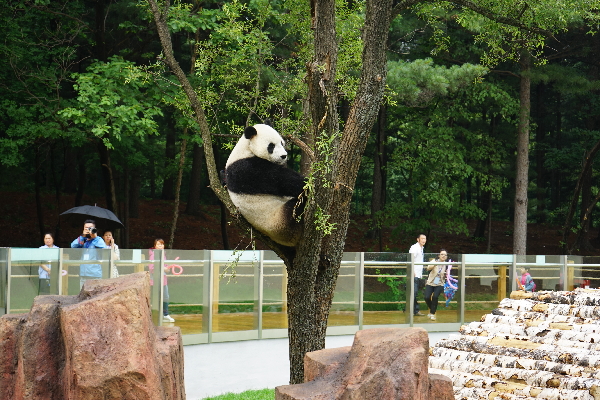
(217,368)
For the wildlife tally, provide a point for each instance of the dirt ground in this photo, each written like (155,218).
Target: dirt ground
(19,223)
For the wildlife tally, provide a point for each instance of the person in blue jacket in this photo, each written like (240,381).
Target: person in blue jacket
(89,240)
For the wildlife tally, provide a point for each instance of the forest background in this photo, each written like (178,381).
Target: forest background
(89,114)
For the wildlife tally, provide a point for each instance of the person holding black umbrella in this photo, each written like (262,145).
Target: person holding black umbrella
(89,240)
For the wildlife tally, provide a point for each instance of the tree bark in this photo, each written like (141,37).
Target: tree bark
(224,236)
(81,179)
(540,155)
(178,190)
(107,174)
(379,174)
(170,154)
(70,181)
(37,177)
(195,186)
(587,166)
(135,187)
(522,165)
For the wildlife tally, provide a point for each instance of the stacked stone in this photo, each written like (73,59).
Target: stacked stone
(543,345)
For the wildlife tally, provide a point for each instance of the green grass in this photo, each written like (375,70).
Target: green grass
(263,394)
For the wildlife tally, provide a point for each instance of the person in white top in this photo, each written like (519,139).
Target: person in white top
(44,269)
(110,242)
(417,250)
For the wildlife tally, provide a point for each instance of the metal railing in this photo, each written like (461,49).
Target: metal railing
(224,295)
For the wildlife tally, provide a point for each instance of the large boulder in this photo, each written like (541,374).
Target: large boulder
(383,364)
(100,344)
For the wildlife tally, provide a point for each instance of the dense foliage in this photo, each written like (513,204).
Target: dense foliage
(88,106)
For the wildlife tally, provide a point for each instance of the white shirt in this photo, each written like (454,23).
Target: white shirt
(417,250)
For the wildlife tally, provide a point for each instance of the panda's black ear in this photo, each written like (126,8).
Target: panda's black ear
(268,122)
(250,132)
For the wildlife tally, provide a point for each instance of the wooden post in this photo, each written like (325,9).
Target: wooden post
(141,266)
(215,282)
(501,282)
(570,276)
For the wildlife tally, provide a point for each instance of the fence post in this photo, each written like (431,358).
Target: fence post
(260,277)
(570,275)
(463,288)
(360,277)
(9,275)
(60,270)
(410,277)
(501,282)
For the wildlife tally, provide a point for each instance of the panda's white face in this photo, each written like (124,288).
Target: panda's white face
(268,144)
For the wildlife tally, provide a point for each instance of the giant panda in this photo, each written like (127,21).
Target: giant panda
(262,187)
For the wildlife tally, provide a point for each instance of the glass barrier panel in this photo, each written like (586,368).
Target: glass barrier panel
(235,290)
(274,306)
(385,288)
(80,265)
(345,307)
(185,286)
(545,272)
(590,274)
(29,276)
(3,278)
(487,282)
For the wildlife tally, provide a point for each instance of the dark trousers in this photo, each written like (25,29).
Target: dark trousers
(431,297)
(417,286)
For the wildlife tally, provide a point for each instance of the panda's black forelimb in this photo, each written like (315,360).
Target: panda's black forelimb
(258,176)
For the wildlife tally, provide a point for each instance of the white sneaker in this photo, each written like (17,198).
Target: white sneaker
(429,316)
(432,317)
(168,318)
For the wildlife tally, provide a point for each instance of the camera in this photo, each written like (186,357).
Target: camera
(93,230)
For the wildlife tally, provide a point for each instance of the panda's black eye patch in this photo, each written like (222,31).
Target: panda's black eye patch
(271,147)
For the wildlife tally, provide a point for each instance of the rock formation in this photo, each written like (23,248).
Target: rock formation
(382,364)
(542,345)
(100,344)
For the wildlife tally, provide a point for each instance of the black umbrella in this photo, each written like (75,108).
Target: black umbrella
(105,219)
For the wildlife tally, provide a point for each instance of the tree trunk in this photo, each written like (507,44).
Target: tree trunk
(224,236)
(587,166)
(540,155)
(489,225)
(195,187)
(522,165)
(178,190)
(81,178)
(107,174)
(168,192)
(135,187)
(586,199)
(310,291)
(37,177)
(379,175)
(313,266)
(70,181)
(126,207)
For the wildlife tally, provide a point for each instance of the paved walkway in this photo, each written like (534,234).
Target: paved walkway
(217,368)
